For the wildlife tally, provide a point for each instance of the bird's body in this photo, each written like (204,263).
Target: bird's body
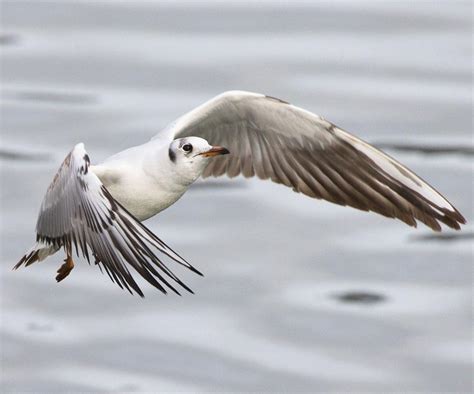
(142,179)
(97,209)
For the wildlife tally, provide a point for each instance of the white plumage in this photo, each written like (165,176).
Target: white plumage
(97,210)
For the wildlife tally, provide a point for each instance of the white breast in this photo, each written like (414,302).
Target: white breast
(141,198)
(143,188)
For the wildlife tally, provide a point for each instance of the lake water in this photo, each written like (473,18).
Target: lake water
(299,295)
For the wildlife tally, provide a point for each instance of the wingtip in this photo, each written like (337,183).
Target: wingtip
(195,270)
(459,217)
(453,219)
(186,287)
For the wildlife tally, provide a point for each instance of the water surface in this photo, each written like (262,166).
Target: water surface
(298,295)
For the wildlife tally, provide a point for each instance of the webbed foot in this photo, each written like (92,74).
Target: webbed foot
(65,269)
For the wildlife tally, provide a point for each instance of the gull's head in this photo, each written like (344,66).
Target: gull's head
(190,155)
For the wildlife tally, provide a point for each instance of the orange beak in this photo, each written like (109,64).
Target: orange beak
(215,151)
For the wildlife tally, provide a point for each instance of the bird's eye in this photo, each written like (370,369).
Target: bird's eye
(187,147)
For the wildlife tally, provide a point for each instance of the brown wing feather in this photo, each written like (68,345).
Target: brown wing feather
(272,139)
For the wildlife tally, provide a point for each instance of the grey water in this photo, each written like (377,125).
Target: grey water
(298,295)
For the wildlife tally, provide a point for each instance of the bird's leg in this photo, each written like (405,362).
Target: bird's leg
(66,268)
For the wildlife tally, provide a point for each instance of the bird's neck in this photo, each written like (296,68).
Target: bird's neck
(177,176)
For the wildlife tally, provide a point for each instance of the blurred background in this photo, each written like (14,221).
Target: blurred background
(299,295)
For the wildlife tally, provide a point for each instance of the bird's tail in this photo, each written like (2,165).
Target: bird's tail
(37,253)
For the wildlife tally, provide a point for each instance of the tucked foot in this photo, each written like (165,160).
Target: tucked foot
(65,269)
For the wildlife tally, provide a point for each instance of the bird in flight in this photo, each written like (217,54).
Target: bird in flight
(97,210)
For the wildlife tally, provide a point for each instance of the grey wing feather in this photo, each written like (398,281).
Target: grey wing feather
(273,139)
(79,212)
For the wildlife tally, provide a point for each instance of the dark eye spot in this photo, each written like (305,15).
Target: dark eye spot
(187,147)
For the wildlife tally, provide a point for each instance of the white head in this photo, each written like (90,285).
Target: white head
(189,156)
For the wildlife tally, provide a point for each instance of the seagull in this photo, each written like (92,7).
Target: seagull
(97,210)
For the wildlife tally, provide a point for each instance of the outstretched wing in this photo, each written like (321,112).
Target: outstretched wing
(275,140)
(78,211)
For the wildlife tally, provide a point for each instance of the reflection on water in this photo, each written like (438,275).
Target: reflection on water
(9,39)
(361,297)
(48,97)
(429,149)
(19,155)
(445,237)
(298,294)
(40,327)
